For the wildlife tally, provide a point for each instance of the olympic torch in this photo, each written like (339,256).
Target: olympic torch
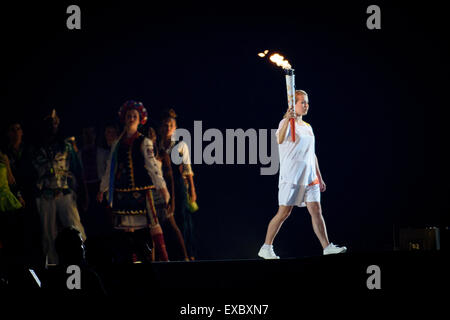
(290,88)
(290,83)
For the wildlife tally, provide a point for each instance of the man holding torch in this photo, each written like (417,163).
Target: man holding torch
(300,181)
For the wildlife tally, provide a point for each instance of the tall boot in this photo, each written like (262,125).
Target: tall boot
(158,240)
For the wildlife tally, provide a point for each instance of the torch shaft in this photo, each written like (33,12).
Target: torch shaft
(290,89)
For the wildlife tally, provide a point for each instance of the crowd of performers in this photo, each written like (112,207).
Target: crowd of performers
(128,191)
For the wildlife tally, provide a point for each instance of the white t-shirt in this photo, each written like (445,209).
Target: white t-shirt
(182,149)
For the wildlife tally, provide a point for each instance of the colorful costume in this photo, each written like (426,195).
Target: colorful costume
(8,202)
(132,176)
(298,182)
(22,169)
(9,212)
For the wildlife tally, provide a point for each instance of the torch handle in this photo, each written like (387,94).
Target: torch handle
(292,121)
(290,89)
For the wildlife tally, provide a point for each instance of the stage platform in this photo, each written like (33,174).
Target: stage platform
(421,272)
(398,271)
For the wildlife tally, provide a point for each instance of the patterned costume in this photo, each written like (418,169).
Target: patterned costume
(59,171)
(131,179)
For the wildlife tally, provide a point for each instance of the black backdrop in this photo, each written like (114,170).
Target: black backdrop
(377,101)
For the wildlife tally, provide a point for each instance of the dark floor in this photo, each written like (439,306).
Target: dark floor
(398,270)
(256,289)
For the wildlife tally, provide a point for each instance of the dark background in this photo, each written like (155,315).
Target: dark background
(377,103)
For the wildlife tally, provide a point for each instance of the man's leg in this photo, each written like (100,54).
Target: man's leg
(68,215)
(47,213)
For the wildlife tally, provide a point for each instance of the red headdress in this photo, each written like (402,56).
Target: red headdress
(133,105)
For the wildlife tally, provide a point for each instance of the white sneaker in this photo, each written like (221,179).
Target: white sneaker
(332,249)
(267,252)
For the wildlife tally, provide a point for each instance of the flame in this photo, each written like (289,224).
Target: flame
(277,59)
(280,61)
(263,54)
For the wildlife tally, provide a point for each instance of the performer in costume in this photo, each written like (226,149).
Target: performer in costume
(131,174)
(300,181)
(184,188)
(8,201)
(172,234)
(10,204)
(60,176)
(20,159)
(20,155)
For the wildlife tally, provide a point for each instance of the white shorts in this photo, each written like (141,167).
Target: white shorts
(294,195)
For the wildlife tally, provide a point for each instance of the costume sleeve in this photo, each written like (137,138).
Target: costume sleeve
(183,150)
(151,164)
(41,166)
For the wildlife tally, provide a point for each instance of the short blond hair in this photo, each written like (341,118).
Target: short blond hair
(299,92)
